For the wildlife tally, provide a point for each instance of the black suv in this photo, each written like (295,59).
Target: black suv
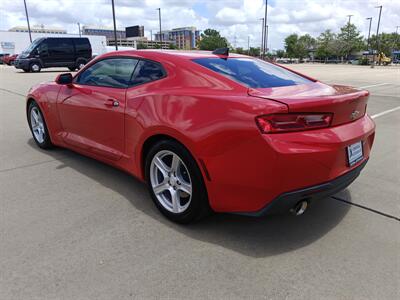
(72,53)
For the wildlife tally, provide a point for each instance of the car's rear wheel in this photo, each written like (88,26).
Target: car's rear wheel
(38,126)
(175,182)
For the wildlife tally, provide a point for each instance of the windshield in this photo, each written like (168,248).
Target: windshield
(253,73)
(32,46)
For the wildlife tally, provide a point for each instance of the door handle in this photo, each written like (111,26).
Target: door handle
(112,102)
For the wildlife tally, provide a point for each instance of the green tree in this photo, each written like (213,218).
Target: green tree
(305,44)
(255,51)
(351,39)
(211,39)
(387,42)
(172,46)
(325,45)
(141,46)
(280,53)
(291,44)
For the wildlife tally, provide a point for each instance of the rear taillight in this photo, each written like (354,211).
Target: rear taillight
(277,123)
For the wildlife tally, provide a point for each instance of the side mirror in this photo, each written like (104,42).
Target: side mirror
(65,78)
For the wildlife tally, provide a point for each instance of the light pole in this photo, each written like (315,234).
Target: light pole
(377,36)
(115,26)
(27,20)
(248,45)
(266,27)
(348,36)
(266,39)
(159,21)
(79,29)
(262,38)
(369,32)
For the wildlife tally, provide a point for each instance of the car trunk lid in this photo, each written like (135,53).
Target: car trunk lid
(346,103)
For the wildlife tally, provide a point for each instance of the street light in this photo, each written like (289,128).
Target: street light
(262,38)
(266,39)
(79,29)
(27,20)
(377,36)
(248,45)
(266,27)
(115,26)
(159,21)
(369,31)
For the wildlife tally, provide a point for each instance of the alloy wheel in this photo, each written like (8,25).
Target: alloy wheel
(170,181)
(37,125)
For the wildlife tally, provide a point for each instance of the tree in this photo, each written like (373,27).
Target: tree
(172,46)
(211,40)
(291,43)
(254,51)
(325,45)
(306,43)
(351,39)
(141,46)
(280,53)
(387,42)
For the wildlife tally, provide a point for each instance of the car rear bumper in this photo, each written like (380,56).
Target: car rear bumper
(272,165)
(286,201)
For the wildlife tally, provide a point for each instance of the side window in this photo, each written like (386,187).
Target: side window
(60,46)
(111,72)
(147,71)
(82,46)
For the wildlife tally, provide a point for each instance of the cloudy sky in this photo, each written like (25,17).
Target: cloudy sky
(236,19)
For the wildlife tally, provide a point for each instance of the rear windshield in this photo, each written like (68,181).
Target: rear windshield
(253,73)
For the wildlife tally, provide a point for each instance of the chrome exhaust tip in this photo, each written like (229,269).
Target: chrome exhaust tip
(299,208)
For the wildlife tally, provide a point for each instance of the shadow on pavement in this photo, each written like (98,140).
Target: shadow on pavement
(255,237)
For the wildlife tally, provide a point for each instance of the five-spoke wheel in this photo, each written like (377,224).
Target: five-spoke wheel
(38,126)
(175,182)
(170,181)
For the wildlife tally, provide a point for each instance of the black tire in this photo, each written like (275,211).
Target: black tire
(26,70)
(46,143)
(80,63)
(199,206)
(35,67)
(72,69)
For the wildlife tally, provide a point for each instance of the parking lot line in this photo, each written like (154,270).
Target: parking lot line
(372,85)
(385,112)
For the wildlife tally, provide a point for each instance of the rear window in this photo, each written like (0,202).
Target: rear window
(253,73)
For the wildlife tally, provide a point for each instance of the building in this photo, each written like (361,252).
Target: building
(184,37)
(141,43)
(108,32)
(14,42)
(134,31)
(39,29)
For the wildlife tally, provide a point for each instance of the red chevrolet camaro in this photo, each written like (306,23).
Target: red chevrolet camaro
(209,131)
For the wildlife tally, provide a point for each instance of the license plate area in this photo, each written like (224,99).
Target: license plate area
(354,153)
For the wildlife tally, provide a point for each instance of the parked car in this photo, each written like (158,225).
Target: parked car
(9,59)
(2,55)
(72,53)
(209,131)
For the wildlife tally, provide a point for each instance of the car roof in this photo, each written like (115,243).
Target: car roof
(171,54)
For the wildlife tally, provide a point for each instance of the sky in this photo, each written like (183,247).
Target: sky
(235,19)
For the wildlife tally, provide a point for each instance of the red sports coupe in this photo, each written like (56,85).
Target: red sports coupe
(209,131)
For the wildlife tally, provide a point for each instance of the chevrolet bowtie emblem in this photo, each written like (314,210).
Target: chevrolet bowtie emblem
(354,114)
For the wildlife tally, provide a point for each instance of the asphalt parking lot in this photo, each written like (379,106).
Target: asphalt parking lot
(74,228)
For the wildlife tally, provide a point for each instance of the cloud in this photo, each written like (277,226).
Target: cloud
(235,19)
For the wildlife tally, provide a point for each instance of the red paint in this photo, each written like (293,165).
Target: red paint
(214,118)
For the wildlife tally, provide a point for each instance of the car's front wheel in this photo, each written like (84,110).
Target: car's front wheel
(175,182)
(38,126)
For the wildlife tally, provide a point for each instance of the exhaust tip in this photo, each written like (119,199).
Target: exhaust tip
(299,208)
